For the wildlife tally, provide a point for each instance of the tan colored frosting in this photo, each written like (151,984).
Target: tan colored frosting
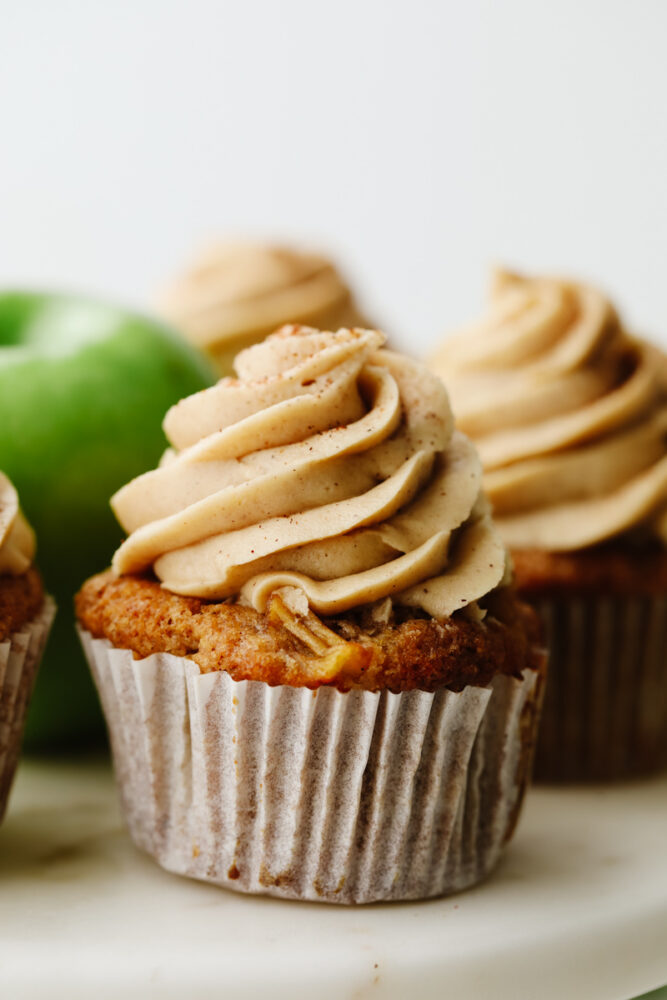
(237,294)
(328,466)
(17,539)
(568,412)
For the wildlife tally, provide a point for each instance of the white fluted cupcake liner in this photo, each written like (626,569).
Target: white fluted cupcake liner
(605,707)
(316,795)
(20,656)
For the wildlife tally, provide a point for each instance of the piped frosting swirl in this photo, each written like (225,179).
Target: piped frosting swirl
(568,412)
(328,466)
(236,294)
(17,539)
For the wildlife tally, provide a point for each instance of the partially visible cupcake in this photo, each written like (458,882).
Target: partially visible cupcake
(317,681)
(569,414)
(25,619)
(236,294)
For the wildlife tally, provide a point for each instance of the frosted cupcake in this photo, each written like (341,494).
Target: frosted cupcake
(316,680)
(238,293)
(25,618)
(569,415)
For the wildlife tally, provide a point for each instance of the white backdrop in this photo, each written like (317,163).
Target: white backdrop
(418,142)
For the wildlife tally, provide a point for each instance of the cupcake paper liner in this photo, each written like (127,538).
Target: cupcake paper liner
(605,708)
(319,795)
(19,659)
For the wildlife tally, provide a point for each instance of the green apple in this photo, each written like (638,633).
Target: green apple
(83,389)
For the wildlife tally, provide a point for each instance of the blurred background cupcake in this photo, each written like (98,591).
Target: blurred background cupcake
(569,413)
(235,294)
(26,614)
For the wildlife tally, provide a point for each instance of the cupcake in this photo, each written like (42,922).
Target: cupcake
(25,618)
(237,294)
(569,415)
(316,679)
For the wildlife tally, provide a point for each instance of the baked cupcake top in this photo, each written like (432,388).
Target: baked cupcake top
(329,471)
(236,294)
(568,412)
(17,539)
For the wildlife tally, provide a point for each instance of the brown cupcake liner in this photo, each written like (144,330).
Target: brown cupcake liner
(20,656)
(319,795)
(605,707)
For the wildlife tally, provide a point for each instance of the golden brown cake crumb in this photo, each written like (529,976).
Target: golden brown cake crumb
(134,612)
(21,597)
(614,568)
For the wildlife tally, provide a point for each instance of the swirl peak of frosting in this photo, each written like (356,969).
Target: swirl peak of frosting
(328,466)
(238,293)
(17,539)
(568,412)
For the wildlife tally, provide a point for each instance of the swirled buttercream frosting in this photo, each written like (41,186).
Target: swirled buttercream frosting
(329,468)
(568,412)
(17,539)
(237,294)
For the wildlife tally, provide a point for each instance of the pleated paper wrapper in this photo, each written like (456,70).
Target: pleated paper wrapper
(20,656)
(320,795)
(605,707)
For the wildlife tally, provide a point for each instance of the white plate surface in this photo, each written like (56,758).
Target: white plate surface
(577,909)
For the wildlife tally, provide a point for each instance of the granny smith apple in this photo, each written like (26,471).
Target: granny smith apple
(83,389)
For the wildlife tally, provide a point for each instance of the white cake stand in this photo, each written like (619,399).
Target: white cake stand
(577,910)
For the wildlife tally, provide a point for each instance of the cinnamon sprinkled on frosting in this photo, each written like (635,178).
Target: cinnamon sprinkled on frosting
(329,468)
